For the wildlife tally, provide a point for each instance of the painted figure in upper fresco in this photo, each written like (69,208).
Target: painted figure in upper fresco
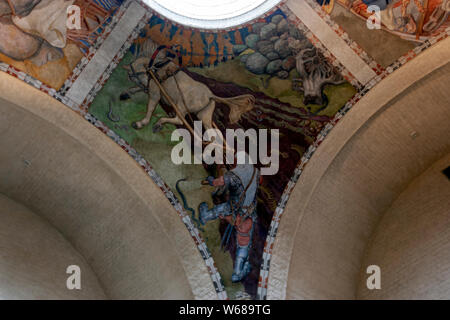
(239,211)
(410,19)
(36,30)
(22,33)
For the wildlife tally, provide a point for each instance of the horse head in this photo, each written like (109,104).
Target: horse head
(137,70)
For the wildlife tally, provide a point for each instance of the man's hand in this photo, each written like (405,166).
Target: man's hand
(219,182)
(215,182)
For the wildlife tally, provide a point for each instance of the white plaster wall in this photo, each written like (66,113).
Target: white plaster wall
(34,258)
(411,244)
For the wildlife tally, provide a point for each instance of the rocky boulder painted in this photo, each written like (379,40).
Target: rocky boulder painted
(276,48)
(266,49)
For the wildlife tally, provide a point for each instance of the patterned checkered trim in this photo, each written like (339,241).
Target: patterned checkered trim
(103,34)
(344,36)
(339,67)
(37,84)
(115,62)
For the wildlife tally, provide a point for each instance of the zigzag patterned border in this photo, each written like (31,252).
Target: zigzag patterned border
(105,32)
(344,36)
(293,19)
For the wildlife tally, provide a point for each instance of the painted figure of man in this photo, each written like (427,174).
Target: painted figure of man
(239,211)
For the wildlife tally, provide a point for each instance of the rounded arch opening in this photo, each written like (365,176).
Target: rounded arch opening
(212,14)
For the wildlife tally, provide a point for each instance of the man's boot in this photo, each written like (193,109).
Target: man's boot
(207,214)
(241,265)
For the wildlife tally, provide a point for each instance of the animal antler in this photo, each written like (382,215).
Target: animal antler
(301,61)
(315,72)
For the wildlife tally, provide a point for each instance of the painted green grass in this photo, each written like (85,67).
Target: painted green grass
(233,71)
(129,111)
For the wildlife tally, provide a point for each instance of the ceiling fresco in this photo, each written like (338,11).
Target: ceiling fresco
(278,69)
(36,40)
(258,60)
(403,25)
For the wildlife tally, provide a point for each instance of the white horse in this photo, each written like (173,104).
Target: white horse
(189,96)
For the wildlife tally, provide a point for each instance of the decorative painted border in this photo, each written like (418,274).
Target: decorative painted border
(270,240)
(375,66)
(293,19)
(114,63)
(36,83)
(104,33)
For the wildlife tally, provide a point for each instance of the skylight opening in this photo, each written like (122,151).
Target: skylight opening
(212,14)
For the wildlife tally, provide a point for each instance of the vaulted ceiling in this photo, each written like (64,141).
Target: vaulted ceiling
(363,143)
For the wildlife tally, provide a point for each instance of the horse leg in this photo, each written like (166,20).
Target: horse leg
(161,122)
(206,114)
(154,97)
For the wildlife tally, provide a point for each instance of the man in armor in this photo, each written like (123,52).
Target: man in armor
(239,211)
